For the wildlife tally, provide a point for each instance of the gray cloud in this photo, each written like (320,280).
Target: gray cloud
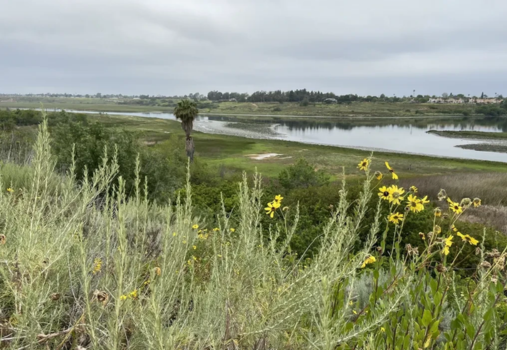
(177,47)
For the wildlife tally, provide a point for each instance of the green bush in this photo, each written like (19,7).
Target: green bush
(92,141)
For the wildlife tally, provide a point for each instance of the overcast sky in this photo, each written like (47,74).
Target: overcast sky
(176,47)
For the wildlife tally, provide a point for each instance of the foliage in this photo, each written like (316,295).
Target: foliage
(492,110)
(302,174)
(82,146)
(127,274)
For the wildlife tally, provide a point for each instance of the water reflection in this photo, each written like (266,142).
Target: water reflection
(407,135)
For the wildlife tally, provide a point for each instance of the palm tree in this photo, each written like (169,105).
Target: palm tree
(186,111)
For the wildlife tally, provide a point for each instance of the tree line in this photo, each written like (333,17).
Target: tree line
(305,96)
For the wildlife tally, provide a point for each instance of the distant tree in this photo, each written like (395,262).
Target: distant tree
(445,95)
(186,111)
(482,95)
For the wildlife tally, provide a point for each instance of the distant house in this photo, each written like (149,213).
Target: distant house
(233,100)
(330,100)
(488,101)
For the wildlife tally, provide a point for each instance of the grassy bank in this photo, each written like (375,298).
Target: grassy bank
(485,147)
(354,109)
(467,134)
(236,152)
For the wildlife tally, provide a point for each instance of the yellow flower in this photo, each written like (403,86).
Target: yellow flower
(233,229)
(395,218)
(10,190)
(413,189)
(396,194)
(97,265)
(437,229)
(448,244)
(425,200)
(158,271)
(384,192)
(454,206)
(184,242)
(422,235)
(370,260)
(446,250)
(195,247)
(364,164)
(382,329)
(379,175)
(195,227)
(391,170)
(477,202)
(219,255)
(454,228)
(270,209)
(438,212)
(193,257)
(174,234)
(414,204)
(278,198)
(216,229)
(133,294)
(123,297)
(355,312)
(468,238)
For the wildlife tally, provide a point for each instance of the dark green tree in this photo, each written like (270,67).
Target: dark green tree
(186,111)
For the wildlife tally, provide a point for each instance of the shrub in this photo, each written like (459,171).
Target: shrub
(124,273)
(302,175)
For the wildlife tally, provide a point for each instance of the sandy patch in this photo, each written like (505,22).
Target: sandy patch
(263,156)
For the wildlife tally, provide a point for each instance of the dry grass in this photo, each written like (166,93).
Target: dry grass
(494,216)
(491,188)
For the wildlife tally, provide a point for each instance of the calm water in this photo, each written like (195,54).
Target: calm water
(403,137)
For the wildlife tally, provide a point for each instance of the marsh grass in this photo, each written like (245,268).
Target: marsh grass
(82,265)
(490,187)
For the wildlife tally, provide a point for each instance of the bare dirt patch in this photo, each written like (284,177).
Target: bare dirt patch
(263,156)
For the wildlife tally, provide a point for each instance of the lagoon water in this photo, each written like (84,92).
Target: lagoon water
(398,137)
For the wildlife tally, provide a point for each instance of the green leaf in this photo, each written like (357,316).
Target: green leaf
(434,327)
(433,285)
(427,317)
(488,316)
(470,330)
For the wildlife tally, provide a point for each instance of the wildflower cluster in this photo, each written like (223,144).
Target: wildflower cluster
(131,295)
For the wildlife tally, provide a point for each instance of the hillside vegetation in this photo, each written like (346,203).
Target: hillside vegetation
(89,260)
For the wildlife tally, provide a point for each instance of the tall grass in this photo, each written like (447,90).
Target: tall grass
(84,266)
(491,188)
